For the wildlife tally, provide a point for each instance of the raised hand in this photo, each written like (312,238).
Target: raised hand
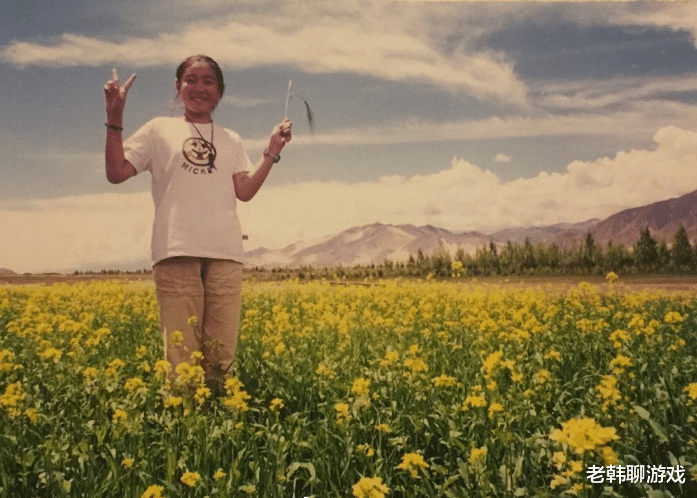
(115,97)
(280,136)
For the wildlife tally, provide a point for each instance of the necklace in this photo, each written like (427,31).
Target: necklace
(209,146)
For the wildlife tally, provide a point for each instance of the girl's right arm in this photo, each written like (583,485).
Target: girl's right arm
(118,169)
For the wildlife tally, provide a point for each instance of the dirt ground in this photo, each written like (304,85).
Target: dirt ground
(678,283)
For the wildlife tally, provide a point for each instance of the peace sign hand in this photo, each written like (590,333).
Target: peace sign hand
(115,97)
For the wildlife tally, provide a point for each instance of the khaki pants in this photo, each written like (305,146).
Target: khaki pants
(210,290)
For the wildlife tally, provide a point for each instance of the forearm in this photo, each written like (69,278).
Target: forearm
(117,168)
(246,185)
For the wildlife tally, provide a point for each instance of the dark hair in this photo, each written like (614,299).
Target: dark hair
(213,65)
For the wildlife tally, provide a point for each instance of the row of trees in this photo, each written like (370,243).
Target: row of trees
(647,255)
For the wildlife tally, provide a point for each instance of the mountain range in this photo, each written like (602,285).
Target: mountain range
(377,242)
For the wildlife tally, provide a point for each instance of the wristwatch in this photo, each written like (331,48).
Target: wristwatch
(268,154)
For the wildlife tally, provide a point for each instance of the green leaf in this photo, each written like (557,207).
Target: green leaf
(642,412)
(657,429)
(305,465)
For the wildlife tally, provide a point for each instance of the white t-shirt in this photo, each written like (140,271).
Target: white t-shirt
(195,203)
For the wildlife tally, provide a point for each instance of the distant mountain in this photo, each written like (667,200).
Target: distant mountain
(368,244)
(5,271)
(377,242)
(663,219)
(374,243)
(544,234)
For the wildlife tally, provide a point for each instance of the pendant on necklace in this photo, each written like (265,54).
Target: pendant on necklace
(207,150)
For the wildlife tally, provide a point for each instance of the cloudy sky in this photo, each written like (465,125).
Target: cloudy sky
(466,116)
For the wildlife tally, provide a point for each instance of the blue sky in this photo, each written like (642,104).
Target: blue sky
(468,116)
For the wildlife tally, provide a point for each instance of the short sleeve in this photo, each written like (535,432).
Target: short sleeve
(138,148)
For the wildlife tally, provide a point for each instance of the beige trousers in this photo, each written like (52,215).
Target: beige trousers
(210,290)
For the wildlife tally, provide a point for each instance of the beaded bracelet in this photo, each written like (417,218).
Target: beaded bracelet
(276,158)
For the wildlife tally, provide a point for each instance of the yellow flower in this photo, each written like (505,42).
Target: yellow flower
(558,481)
(202,394)
(609,456)
(477,454)
(494,408)
(370,487)
(219,474)
(583,434)
(620,362)
(127,463)
(135,384)
(237,401)
(189,374)
(280,347)
(276,404)
(608,391)
(491,362)
(473,401)
(553,354)
(383,428)
(412,462)
(324,370)
(390,358)
(176,339)
(250,489)
(153,492)
(119,415)
(575,467)
(366,449)
(559,459)
(415,365)
(361,386)
(444,381)
(173,401)
(611,277)
(542,376)
(191,478)
(32,414)
(51,354)
(162,368)
(342,412)
(12,399)
(673,317)
(618,337)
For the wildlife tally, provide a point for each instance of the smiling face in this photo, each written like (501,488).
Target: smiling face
(198,90)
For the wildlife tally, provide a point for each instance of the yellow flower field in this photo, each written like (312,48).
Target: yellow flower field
(396,389)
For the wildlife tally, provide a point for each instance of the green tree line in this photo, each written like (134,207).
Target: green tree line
(647,255)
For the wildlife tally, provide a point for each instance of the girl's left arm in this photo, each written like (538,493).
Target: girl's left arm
(246,185)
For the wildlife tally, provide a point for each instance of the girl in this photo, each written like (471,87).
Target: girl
(198,170)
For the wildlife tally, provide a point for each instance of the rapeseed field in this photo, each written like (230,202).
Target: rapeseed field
(393,389)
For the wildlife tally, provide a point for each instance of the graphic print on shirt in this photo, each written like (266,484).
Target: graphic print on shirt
(200,154)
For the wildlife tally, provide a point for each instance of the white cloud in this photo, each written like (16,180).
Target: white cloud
(638,120)
(467,197)
(502,158)
(675,15)
(68,232)
(110,228)
(391,51)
